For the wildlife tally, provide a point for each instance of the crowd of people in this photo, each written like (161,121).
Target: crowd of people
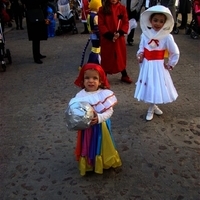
(15,11)
(108,23)
(95,148)
(39,21)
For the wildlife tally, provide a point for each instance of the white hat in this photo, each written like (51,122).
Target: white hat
(145,23)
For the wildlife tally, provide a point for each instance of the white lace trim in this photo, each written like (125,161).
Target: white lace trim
(101,100)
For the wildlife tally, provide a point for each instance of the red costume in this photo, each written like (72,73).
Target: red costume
(84,10)
(113,54)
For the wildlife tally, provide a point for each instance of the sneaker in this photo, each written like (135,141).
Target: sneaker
(150,113)
(126,79)
(157,110)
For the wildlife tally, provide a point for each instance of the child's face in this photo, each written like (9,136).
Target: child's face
(91,80)
(158,21)
(114,1)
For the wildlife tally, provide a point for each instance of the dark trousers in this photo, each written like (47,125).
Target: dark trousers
(36,49)
(18,20)
(184,17)
(131,36)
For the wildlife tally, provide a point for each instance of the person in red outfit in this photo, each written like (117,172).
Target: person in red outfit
(113,24)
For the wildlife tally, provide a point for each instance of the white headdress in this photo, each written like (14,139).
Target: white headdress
(146,24)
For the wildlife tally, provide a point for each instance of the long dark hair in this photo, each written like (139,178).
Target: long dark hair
(153,14)
(106,7)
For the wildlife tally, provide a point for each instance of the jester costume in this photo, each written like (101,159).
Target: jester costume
(92,20)
(92,26)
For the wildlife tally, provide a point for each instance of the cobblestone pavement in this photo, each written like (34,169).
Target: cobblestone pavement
(161,158)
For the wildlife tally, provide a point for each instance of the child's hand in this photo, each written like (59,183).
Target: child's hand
(47,21)
(140,57)
(167,66)
(94,120)
(116,36)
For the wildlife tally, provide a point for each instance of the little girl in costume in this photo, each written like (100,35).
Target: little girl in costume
(92,22)
(51,16)
(95,149)
(154,84)
(113,24)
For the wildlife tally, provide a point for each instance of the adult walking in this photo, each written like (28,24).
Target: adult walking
(184,10)
(133,8)
(36,14)
(17,7)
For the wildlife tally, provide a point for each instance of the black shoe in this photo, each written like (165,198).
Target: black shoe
(17,28)
(42,56)
(21,28)
(130,43)
(38,61)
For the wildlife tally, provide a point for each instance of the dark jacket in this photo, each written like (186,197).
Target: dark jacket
(36,30)
(17,7)
(184,6)
(1,16)
(133,8)
(166,3)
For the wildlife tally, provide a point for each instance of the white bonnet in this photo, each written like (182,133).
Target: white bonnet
(145,19)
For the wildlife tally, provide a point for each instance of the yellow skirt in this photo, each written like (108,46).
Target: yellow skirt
(96,150)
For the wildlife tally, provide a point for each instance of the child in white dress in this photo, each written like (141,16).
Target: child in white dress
(95,149)
(154,84)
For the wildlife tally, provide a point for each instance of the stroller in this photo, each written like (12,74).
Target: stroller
(4,53)
(194,27)
(66,18)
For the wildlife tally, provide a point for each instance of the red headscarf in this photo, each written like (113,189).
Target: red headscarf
(80,79)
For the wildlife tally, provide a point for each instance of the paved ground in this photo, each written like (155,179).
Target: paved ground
(161,158)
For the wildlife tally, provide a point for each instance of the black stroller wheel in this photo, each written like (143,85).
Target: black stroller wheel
(75,30)
(176,31)
(194,35)
(59,31)
(188,31)
(8,55)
